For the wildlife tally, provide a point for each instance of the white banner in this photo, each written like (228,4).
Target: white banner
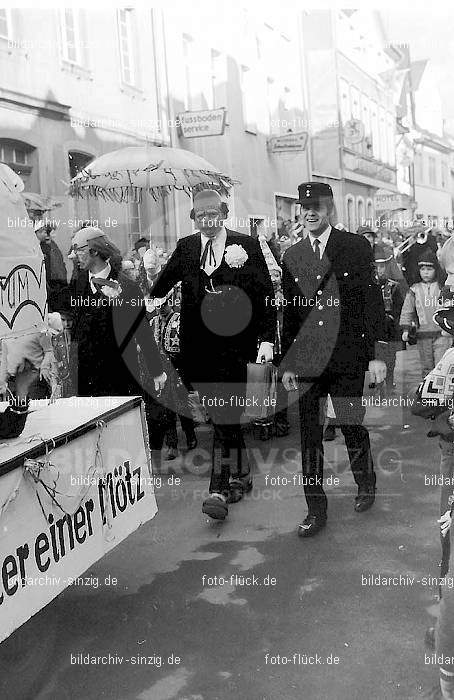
(58,518)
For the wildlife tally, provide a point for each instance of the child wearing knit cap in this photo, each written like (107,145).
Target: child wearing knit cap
(420,304)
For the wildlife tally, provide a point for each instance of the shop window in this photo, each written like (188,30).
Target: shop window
(71,35)
(20,157)
(350,205)
(5,24)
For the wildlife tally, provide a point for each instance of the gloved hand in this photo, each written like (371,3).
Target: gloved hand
(266,352)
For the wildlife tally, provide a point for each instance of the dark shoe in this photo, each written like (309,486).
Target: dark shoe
(365,498)
(311,525)
(172,453)
(191,443)
(216,507)
(235,491)
(330,432)
(238,487)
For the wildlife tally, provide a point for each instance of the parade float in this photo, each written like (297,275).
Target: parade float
(78,479)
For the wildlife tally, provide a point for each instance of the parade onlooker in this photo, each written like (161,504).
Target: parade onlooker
(424,243)
(166,328)
(105,332)
(393,294)
(421,302)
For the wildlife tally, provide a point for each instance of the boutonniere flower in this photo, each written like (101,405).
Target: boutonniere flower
(110,288)
(235,255)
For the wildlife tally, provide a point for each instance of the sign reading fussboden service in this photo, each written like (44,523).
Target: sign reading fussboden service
(206,122)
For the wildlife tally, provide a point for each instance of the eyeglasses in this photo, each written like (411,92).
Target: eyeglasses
(208,212)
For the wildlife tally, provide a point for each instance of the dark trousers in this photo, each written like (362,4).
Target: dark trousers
(223,402)
(187,425)
(346,393)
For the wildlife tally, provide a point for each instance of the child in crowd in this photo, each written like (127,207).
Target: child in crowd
(421,302)
(393,293)
(166,327)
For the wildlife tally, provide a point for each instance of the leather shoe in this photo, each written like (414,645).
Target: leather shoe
(235,491)
(311,525)
(365,499)
(216,507)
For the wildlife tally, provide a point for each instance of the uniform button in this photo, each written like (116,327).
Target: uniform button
(296,279)
(362,335)
(319,292)
(319,277)
(321,308)
(320,323)
(345,274)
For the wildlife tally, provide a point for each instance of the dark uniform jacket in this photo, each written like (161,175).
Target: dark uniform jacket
(333,308)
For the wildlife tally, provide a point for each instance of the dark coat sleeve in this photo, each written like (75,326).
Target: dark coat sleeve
(264,294)
(291,322)
(132,326)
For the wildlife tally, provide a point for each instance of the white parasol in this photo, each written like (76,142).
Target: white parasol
(123,175)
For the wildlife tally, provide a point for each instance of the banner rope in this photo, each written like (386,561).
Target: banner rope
(35,467)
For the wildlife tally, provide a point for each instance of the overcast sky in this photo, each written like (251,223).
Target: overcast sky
(430,34)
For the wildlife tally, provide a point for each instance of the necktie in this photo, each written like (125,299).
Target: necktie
(208,259)
(317,249)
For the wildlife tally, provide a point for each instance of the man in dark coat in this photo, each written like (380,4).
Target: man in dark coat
(108,323)
(225,309)
(332,319)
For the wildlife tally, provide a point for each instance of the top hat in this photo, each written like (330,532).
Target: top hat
(310,191)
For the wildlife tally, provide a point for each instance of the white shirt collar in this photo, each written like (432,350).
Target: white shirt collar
(219,239)
(104,274)
(323,238)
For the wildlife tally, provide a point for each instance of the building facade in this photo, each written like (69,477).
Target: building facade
(249,64)
(91,81)
(350,69)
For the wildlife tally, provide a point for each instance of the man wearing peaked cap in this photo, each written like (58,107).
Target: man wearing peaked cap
(332,321)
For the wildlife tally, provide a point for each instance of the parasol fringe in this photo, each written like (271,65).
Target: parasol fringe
(132,193)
